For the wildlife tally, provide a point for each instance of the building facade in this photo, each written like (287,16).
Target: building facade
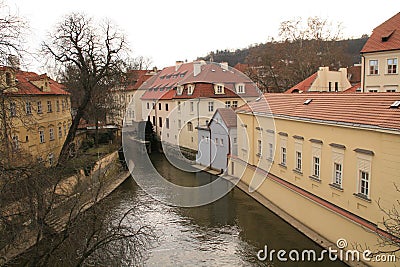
(217,140)
(183,97)
(325,159)
(36,116)
(380,58)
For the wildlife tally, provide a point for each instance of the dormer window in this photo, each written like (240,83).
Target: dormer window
(190,89)
(179,89)
(240,88)
(219,89)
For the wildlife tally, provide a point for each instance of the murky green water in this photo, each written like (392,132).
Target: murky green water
(228,232)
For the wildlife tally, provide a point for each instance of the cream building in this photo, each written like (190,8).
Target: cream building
(324,159)
(36,113)
(324,80)
(380,58)
(185,96)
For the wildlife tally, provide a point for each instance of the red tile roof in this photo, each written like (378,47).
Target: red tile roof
(384,37)
(359,110)
(353,89)
(162,86)
(136,78)
(354,74)
(303,86)
(26,87)
(228,115)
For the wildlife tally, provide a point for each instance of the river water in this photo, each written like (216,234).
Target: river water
(228,232)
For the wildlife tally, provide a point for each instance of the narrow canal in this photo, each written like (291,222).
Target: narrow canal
(228,232)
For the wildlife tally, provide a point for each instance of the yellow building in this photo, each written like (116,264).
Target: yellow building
(324,159)
(36,116)
(380,58)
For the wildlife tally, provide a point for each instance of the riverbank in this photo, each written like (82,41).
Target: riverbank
(314,236)
(92,190)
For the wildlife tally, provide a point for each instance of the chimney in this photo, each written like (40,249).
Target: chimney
(178,64)
(197,67)
(224,65)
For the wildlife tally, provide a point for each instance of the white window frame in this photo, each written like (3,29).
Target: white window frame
(240,88)
(227,104)
(373,68)
(389,67)
(234,104)
(190,89)
(299,162)
(211,106)
(49,106)
(51,134)
(41,136)
(316,167)
(338,174)
(39,107)
(28,107)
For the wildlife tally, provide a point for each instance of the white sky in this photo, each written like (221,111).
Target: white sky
(166,31)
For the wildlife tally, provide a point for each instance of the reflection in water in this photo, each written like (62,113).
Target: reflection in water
(228,232)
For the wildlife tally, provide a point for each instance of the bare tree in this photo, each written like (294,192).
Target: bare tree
(95,52)
(12,30)
(297,54)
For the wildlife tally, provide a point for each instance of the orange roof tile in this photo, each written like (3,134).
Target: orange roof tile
(360,110)
(26,87)
(384,37)
(303,86)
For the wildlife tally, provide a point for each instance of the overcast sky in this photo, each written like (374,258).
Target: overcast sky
(166,31)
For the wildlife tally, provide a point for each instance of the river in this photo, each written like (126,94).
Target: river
(228,232)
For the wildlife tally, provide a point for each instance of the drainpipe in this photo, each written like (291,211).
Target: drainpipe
(363,78)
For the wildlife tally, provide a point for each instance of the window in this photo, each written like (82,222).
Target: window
(28,108)
(58,105)
(148,105)
(41,136)
(316,167)
(235,140)
(167,123)
(234,104)
(39,107)
(154,120)
(191,106)
(210,106)
(391,90)
(336,86)
(51,159)
(59,132)
(270,151)
(51,134)
(259,148)
(240,89)
(373,90)
(179,124)
(63,104)
(160,122)
(283,156)
(337,174)
(13,109)
(65,129)
(179,105)
(159,106)
(330,86)
(190,126)
(298,160)
(222,142)
(190,89)
(15,142)
(364,183)
(179,90)
(373,67)
(49,107)
(216,141)
(227,104)
(166,107)
(220,89)
(392,66)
